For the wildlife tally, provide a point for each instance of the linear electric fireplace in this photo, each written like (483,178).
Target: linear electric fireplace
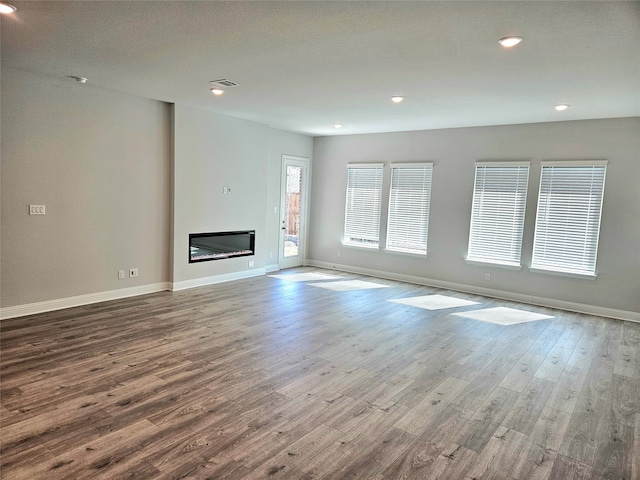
(218,245)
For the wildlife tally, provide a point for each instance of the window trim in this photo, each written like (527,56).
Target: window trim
(362,246)
(409,165)
(563,274)
(570,164)
(507,266)
(496,262)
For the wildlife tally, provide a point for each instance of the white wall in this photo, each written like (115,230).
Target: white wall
(454,152)
(100,162)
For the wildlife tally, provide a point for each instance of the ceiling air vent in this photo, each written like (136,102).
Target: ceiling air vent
(223,83)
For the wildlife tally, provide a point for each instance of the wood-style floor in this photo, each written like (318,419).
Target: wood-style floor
(265,378)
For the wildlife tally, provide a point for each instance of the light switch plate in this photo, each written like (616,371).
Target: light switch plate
(36,209)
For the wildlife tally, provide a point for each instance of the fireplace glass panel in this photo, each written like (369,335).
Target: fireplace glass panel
(219,245)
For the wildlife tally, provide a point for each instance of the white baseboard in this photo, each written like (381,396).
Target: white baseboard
(272,268)
(60,303)
(79,300)
(500,294)
(226,277)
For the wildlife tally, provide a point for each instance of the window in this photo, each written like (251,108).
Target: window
(409,200)
(497,213)
(363,205)
(568,219)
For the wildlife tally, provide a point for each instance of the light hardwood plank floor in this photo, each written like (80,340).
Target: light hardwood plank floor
(267,378)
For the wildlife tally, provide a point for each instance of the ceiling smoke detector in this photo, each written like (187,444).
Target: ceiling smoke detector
(222,84)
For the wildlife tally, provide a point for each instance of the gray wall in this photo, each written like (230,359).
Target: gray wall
(100,162)
(124,181)
(213,151)
(454,152)
(281,143)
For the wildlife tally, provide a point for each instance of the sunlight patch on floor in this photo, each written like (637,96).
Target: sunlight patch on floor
(502,315)
(348,285)
(434,302)
(305,277)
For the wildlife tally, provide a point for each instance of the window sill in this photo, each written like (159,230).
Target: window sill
(406,254)
(361,247)
(506,266)
(584,276)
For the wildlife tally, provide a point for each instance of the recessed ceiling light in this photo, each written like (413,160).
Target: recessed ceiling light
(337,125)
(561,107)
(217,91)
(510,41)
(397,99)
(7,8)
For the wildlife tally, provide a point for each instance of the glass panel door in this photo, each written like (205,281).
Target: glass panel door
(293,210)
(291,222)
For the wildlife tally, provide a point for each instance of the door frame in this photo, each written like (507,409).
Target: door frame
(301,258)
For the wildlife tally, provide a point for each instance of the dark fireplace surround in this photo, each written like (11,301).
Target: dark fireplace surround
(204,247)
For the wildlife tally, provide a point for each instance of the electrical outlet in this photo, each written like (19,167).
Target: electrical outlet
(120,274)
(225,190)
(251,263)
(487,276)
(133,272)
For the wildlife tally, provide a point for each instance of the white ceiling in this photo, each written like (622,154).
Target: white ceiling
(303,66)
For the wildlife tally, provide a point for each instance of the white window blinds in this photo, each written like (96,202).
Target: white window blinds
(568,219)
(497,213)
(363,205)
(409,201)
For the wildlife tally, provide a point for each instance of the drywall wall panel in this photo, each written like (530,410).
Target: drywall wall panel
(211,152)
(454,152)
(100,163)
(281,143)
